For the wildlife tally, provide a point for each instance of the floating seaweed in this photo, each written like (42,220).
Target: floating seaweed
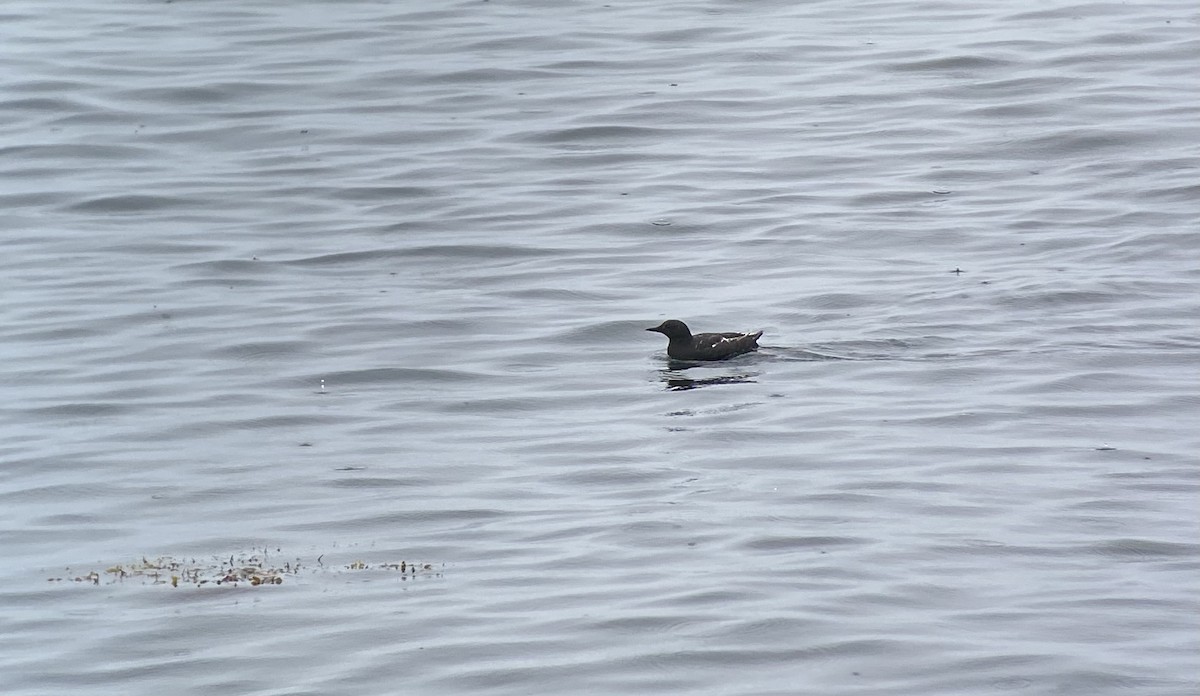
(253,569)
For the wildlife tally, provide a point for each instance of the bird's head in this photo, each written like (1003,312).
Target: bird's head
(673,329)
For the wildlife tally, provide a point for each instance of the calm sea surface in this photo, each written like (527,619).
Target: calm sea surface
(324,370)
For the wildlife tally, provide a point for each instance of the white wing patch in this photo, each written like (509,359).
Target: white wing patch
(719,340)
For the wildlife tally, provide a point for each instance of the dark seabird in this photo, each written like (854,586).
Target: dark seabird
(705,346)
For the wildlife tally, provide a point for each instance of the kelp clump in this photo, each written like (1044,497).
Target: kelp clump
(253,569)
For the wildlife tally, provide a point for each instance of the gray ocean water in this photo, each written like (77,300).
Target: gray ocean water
(318,289)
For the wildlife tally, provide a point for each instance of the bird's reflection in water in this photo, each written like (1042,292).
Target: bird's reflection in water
(676,380)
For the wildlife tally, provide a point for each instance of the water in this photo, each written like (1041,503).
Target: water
(326,288)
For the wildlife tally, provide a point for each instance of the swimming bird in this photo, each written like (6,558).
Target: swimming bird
(684,345)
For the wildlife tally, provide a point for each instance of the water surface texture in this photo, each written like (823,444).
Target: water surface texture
(330,287)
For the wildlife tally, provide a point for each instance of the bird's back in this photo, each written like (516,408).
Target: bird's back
(714,346)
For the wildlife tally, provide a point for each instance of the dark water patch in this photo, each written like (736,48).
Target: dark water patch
(282,422)
(646,624)
(364,194)
(44,104)
(588,66)
(57,491)
(67,520)
(1182,193)
(348,258)
(919,486)
(168,248)
(1110,603)
(791,543)
(798,354)
(951,64)
(486,76)
(867,350)
(1140,549)
(1125,38)
(1084,382)
(73,152)
(225,271)
(496,406)
(130,204)
(1110,505)
(65,333)
(551,294)
(95,409)
(1036,92)
(264,351)
(1056,298)
(56,536)
(398,519)
(613,475)
(605,332)
(400,375)
(1090,143)
(894,201)
(1000,112)
(839,301)
(562,44)
(594,135)
(55,86)
(212,97)
(377,482)
(1072,12)
(466,252)
(1168,475)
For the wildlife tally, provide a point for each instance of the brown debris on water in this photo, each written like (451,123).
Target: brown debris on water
(253,569)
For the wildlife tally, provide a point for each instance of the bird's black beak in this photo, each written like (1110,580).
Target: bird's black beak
(657,329)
